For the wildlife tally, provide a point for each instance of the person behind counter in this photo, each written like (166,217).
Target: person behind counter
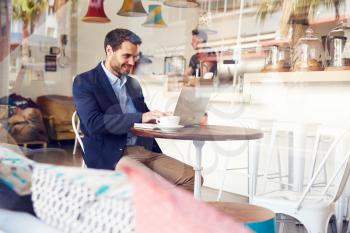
(202,61)
(109,102)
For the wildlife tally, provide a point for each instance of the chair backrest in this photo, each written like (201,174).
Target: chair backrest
(76,129)
(342,171)
(344,178)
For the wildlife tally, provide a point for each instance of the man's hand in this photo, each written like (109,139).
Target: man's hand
(153,115)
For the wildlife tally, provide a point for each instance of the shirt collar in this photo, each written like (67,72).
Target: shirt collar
(113,79)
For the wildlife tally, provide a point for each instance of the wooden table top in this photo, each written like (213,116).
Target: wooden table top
(203,133)
(243,212)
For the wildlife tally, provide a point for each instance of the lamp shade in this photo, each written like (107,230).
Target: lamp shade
(206,29)
(95,12)
(182,3)
(154,18)
(132,8)
(205,23)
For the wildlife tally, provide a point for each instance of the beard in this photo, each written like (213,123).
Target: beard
(123,69)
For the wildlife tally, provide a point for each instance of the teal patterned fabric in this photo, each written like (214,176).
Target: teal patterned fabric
(100,182)
(82,200)
(15,169)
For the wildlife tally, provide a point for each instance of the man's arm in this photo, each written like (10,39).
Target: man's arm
(188,71)
(95,121)
(147,116)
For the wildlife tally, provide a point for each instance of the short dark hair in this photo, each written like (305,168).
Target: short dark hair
(201,34)
(116,37)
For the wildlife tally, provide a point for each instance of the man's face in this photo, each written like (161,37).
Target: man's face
(196,40)
(122,60)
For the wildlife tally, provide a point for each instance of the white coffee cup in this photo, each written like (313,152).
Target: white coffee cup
(168,121)
(208,75)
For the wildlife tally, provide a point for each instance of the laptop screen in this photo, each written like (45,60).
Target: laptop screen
(191,105)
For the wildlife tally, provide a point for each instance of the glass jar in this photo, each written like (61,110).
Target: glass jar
(308,55)
(277,58)
(338,46)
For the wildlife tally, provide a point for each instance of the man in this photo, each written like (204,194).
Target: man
(109,102)
(201,62)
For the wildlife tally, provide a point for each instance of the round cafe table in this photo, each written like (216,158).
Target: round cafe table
(200,134)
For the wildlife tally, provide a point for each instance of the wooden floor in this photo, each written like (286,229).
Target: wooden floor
(58,154)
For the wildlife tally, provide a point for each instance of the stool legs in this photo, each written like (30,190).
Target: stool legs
(314,155)
(298,159)
(253,163)
(269,156)
(296,155)
(341,204)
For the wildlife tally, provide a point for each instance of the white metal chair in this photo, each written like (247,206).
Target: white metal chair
(326,134)
(78,135)
(77,132)
(314,206)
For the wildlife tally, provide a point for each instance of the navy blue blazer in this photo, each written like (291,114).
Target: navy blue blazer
(103,123)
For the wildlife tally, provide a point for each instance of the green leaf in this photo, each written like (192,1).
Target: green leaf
(28,10)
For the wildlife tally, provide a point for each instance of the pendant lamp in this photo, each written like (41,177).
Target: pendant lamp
(154,18)
(205,19)
(182,3)
(95,12)
(205,23)
(132,8)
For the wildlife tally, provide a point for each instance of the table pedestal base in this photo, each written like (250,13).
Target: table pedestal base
(197,167)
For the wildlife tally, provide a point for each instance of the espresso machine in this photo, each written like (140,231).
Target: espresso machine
(174,66)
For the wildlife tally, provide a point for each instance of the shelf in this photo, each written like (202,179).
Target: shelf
(293,77)
(328,20)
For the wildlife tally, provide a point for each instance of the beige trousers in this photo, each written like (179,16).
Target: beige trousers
(172,170)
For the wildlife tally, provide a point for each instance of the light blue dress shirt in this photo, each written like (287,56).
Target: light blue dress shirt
(126,104)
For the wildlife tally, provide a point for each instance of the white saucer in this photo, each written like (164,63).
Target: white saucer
(169,128)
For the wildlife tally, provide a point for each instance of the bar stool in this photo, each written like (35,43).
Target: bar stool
(258,219)
(297,135)
(253,155)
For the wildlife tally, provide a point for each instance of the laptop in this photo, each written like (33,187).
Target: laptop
(191,105)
